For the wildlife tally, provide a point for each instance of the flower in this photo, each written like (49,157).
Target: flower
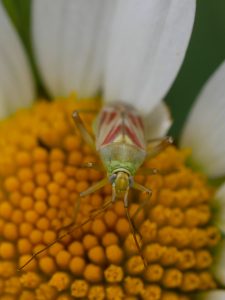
(204,133)
(129,50)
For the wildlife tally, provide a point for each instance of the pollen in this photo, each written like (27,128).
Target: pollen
(90,253)
(114,274)
(60,280)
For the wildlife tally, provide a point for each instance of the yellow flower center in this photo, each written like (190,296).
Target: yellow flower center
(41,176)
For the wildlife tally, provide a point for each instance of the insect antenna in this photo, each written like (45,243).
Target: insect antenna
(71,230)
(133,231)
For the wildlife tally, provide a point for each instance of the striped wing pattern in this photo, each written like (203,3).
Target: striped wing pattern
(120,124)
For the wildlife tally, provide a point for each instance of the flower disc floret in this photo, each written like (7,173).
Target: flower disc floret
(42,158)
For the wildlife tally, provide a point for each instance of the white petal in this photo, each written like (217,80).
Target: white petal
(147,46)
(219,264)
(158,121)
(16,82)
(220,217)
(212,295)
(204,130)
(70,39)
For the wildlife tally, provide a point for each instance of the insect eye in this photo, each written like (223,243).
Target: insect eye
(112,178)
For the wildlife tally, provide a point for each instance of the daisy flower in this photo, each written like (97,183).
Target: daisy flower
(105,51)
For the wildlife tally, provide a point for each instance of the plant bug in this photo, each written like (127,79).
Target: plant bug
(122,144)
(120,140)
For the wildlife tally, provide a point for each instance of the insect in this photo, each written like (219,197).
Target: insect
(121,141)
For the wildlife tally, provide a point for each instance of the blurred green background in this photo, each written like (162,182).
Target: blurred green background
(206,51)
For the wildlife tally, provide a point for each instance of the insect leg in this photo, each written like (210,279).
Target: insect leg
(80,125)
(87,165)
(106,204)
(141,188)
(88,111)
(70,231)
(98,185)
(155,146)
(92,165)
(90,190)
(133,229)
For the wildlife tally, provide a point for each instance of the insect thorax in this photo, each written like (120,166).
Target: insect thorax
(122,156)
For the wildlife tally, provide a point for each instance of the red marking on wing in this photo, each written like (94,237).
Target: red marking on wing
(136,120)
(111,116)
(141,123)
(107,117)
(120,124)
(133,119)
(112,134)
(133,137)
(103,117)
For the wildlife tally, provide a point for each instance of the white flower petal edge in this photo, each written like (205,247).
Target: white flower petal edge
(212,295)
(158,121)
(148,41)
(70,39)
(220,199)
(130,49)
(16,82)
(219,263)
(204,130)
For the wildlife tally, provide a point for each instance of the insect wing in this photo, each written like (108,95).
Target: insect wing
(119,125)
